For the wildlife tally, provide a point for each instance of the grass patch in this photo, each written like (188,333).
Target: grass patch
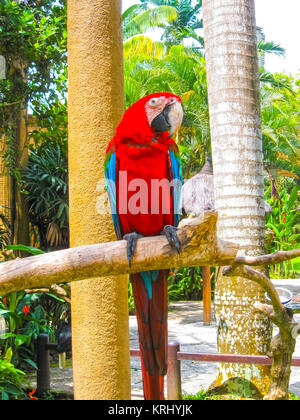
(203,395)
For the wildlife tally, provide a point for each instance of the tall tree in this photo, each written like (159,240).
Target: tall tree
(233,93)
(33,42)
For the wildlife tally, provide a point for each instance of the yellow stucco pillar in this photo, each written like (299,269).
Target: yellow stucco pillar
(100,306)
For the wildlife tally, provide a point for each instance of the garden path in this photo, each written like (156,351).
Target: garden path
(185,326)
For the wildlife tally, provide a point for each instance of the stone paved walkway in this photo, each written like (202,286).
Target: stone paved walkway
(185,326)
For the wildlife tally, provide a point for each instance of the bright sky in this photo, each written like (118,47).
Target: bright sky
(280,22)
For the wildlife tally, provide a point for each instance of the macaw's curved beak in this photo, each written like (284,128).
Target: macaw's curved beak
(169,120)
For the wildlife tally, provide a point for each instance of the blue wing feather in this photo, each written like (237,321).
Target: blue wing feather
(177,184)
(110,177)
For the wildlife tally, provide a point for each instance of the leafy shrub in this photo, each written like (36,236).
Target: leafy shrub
(45,183)
(10,380)
(186,284)
(283,227)
(130,300)
(27,315)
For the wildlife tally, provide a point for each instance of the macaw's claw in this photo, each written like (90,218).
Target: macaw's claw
(171,233)
(131,239)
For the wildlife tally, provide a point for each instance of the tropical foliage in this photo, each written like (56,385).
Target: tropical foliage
(139,18)
(11,380)
(45,183)
(26,314)
(5,235)
(280,128)
(187,23)
(33,39)
(283,226)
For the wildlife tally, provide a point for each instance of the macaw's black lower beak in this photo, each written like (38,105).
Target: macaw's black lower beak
(161,123)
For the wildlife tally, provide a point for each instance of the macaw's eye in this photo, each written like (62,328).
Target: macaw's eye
(153,102)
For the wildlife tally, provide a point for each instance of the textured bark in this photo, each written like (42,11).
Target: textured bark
(282,349)
(100,329)
(283,345)
(198,241)
(270,259)
(20,212)
(207,308)
(233,91)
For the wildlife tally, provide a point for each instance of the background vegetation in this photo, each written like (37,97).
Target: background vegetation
(33,40)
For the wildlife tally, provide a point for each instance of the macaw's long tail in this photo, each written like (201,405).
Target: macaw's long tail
(150,290)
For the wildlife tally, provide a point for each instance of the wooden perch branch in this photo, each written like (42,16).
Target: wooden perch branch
(200,247)
(269,259)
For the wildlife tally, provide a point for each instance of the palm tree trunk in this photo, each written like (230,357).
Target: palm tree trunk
(233,90)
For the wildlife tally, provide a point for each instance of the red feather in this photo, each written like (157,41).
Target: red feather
(152,317)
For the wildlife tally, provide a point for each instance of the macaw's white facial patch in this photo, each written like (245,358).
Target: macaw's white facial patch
(175,117)
(155,106)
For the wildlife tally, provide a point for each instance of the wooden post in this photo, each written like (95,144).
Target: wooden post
(174,391)
(207,311)
(43,364)
(100,327)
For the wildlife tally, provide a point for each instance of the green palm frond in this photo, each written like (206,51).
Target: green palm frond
(270,48)
(272,80)
(134,90)
(185,25)
(138,23)
(288,142)
(280,117)
(268,97)
(270,134)
(156,17)
(188,32)
(45,183)
(143,46)
(132,12)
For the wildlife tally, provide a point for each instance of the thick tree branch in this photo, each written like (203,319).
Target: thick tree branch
(200,247)
(269,259)
(266,309)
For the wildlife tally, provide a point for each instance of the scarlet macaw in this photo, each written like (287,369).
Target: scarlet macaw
(140,158)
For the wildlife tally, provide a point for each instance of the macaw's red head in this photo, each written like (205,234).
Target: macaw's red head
(155,116)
